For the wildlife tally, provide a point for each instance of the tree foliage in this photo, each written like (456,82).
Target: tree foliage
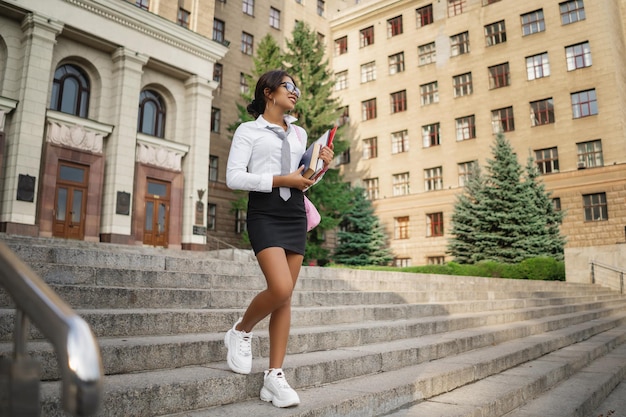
(362,240)
(505,216)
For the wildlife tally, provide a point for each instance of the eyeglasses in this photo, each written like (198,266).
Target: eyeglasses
(291,87)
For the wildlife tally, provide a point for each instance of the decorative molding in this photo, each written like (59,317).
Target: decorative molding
(75,132)
(7,105)
(160,152)
(128,15)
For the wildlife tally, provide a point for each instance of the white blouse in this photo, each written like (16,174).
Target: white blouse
(255,154)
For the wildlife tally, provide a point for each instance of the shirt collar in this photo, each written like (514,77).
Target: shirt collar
(261,122)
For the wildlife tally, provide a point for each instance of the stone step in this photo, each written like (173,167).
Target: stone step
(151,352)
(571,381)
(85,296)
(361,381)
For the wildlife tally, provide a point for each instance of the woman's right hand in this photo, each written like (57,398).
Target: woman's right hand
(293,180)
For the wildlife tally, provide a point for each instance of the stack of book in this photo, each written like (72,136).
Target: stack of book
(313,164)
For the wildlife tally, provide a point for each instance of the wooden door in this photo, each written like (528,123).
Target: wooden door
(70,201)
(157,213)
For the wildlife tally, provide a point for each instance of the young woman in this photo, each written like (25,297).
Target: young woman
(264,160)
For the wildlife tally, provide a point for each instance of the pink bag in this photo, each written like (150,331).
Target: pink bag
(313,217)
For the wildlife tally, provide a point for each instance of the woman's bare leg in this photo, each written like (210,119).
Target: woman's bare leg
(281,271)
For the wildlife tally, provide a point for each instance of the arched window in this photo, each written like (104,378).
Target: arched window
(151,114)
(70,91)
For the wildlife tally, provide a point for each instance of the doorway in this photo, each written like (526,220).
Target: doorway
(70,201)
(157,213)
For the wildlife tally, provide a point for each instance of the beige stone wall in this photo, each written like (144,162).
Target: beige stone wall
(601,28)
(610,271)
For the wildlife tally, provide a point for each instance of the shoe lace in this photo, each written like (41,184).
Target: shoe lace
(245,345)
(281,381)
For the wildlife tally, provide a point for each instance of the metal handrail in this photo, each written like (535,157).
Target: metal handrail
(75,345)
(620,271)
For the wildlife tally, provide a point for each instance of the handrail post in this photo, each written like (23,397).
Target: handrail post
(621,282)
(593,276)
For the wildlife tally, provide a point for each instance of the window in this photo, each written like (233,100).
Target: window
(400,141)
(143,4)
(433,180)
(578,56)
(542,112)
(341,46)
(556,203)
(213,168)
(427,53)
(344,157)
(368,109)
(320,7)
(502,120)
(402,262)
(401,184)
(243,84)
(499,76)
(434,224)
(370,148)
(547,160)
(216,115)
(368,72)
(219,29)
(247,42)
(430,135)
(488,2)
(240,221)
(211,216)
(70,91)
(424,15)
(495,33)
(459,44)
(533,22)
(466,170)
(183,17)
(394,26)
(595,207)
(462,84)
(465,128)
(345,116)
(248,7)
(396,63)
(341,80)
(398,101)
(274,18)
(572,11)
(584,103)
(151,114)
(436,260)
(537,66)
(429,93)
(218,72)
(590,154)
(455,7)
(371,188)
(401,227)
(366,36)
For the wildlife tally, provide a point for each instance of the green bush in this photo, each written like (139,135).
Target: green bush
(541,268)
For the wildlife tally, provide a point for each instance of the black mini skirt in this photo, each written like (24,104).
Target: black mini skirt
(274,222)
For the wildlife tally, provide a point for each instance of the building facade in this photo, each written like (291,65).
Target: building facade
(104,119)
(428,84)
(114,114)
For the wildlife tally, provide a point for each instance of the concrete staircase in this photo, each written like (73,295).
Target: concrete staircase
(363,343)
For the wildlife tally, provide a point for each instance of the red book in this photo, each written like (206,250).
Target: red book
(314,167)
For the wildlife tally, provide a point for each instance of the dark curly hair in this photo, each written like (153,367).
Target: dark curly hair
(270,80)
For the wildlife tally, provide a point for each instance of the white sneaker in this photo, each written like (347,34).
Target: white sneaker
(239,345)
(277,390)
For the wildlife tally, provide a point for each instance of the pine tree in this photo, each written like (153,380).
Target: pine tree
(361,238)
(466,219)
(268,57)
(506,216)
(550,242)
(317,112)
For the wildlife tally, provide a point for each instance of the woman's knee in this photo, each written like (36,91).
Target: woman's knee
(281,293)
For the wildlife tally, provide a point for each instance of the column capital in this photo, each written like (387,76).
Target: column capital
(36,24)
(129,56)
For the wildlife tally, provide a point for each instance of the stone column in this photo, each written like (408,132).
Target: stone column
(197,133)
(28,122)
(120,145)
